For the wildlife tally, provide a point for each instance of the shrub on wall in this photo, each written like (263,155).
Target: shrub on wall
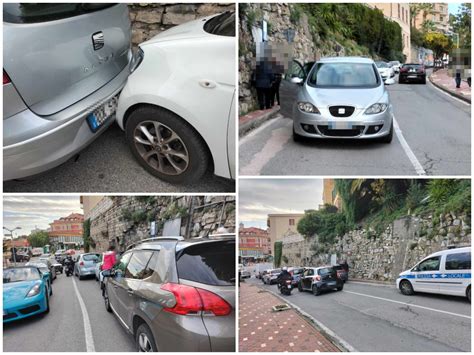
(278,251)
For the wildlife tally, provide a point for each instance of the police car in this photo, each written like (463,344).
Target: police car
(446,272)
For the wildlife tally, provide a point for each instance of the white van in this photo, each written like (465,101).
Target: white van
(446,272)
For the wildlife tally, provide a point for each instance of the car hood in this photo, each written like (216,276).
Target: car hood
(360,98)
(188,30)
(404,273)
(17,291)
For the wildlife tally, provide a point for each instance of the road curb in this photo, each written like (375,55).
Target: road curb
(454,94)
(246,127)
(343,345)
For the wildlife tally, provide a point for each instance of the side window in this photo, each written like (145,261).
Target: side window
(431,264)
(152,268)
(309,272)
(294,71)
(122,264)
(458,261)
(136,267)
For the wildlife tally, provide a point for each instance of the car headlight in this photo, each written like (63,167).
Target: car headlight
(308,107)
(376,108)
(136,60)
(34,291)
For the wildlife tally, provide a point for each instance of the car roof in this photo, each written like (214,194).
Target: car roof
(450,251)
(412,64)
(155,243)
(346,60)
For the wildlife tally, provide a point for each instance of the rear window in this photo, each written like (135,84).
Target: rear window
(221,25)
(208,263)
(90,257)
(344,75)
(44,12)
(458,261)
(411,66)
(326,271)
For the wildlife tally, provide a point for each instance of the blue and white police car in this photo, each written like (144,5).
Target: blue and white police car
(446,272)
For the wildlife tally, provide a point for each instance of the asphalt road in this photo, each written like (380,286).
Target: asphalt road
(107,165)
(62,329)
(435,127)
(380,324)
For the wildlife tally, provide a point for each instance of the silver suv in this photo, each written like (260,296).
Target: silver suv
(63,67)
(176,295)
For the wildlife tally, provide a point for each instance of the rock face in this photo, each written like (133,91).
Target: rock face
(152,18)
(382,257)
(122,220)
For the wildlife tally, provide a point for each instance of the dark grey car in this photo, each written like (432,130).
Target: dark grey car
(63,68)
(176,295)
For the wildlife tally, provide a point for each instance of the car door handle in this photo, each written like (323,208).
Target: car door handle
(207,84)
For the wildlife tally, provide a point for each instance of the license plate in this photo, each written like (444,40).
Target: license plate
(100,115)
(340,125)
(289,286)
(411,76)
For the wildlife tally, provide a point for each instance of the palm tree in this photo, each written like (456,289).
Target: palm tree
(416,8)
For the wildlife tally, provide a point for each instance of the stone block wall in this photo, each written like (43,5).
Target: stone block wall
(382,257)
(200,216)
(149,19)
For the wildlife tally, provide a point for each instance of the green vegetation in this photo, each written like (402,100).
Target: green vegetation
(438,42)
(38,239)
(326,223)
(86,235)
(461,24)
(278,251)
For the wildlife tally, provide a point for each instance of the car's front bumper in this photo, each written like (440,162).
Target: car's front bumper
(30,307)
(356,126)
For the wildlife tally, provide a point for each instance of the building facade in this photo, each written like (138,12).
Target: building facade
(253,242)
(438,14)
(330,195)
(280,225)
(66,232)
(400,13)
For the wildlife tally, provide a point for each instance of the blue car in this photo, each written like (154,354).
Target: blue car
(25,293)
(45,271)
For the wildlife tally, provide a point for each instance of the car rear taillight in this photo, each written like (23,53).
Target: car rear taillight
(317,278)
(81,263)
(402,70)
(288,282)
(6,78)
(191,300)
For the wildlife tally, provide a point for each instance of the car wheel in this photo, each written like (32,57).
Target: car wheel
(300,288)
(47,303)
(144,339)
(340,287)
(316,290)
(80,277)
(389,137)
(297,138)
(406,288)
(468,293)
(107,301)
(400,80)
(423,81)
(166,146)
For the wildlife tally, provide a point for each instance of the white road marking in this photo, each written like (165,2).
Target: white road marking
(451,96)
(414,161)
(409,304)
(85,317)
(257,130)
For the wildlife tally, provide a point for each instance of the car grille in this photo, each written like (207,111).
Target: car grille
(348,110)
(30,309)
(9,316)
(354,132)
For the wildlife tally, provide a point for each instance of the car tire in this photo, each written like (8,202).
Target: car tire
(340,287)
(400,80)
(47,303)
(468,293)
(107,301)
(187,139)
(389,137)
(144,339)
(297,138)
(300,288)
(423,81)
(406,288)
(80,278)
(316,290)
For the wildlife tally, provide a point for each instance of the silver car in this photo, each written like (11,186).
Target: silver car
(342,97)
(63,68)
(85,265)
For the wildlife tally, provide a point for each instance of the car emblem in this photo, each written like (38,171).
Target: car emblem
(341,111)
(98,40)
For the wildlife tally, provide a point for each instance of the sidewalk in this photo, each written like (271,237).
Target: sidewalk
(254,119)
(262,330)
(443,81)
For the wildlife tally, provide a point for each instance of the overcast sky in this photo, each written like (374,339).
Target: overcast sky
(260,197)
(30,211)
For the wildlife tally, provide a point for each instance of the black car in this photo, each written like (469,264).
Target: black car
(342,272)
(319,279)
(412,72)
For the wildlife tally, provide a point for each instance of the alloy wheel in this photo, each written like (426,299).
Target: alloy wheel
(144,344)
(161,147)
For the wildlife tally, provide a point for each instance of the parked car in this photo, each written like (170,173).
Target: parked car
(98,266)
(412,72)
(342,97)
(447,272)
(19,256)
(178,116)
(296,273)
(50,266)
(25,293)
(85,265)
(176,295)
(244,273)
(319,279)
(341,272)
(395,65)
(49,273)
(385,70)
(270,277)
(60,88)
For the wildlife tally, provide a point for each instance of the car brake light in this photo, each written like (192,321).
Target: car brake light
(81,263)
(6,78)
(193,300)
(317,278)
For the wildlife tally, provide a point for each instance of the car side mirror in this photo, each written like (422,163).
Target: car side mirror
(389,81)
(296,80)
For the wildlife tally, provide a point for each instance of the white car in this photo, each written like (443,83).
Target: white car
(385,71)
(177,108)
(446,272)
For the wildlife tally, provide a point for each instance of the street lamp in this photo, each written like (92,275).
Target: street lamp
(11,233)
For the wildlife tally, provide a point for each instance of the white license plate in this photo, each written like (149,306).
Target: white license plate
(100,115)
(411,77)
(340,125)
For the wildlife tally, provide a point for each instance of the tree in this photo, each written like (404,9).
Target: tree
(439,43)
(38,239)
(416,8)
(461,24)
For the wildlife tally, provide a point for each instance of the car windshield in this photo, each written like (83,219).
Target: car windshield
(343,75)
(20,274)
(381,65)
(222,25)
(411,66)
(90,257)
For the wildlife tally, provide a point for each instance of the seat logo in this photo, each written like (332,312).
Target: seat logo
(341,110)
(98,40)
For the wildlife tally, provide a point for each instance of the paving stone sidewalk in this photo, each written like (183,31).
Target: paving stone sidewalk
(255,118)
(261,330)
(445,82)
